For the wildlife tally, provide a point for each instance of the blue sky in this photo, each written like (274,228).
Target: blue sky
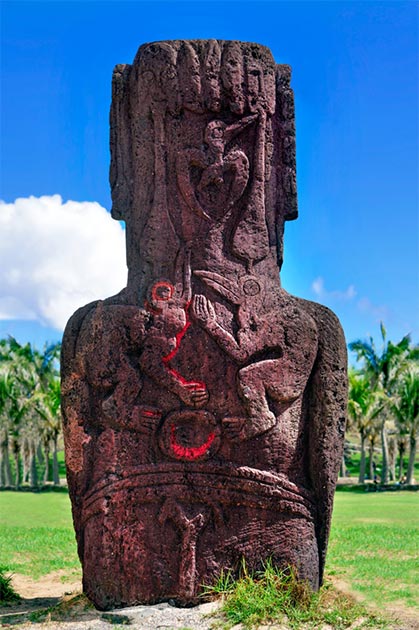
(355,70)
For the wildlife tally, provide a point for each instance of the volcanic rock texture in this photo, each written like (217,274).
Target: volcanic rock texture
(204,406)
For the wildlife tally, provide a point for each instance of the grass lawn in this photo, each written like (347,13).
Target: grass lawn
(373,545)
(36,533)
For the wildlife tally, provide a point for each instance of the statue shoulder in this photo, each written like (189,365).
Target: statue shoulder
(71,334)
(101,317)
(330,332)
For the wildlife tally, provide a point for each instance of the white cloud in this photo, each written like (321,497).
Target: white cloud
(380,313)
(337,299)
(56,257)
(320,291)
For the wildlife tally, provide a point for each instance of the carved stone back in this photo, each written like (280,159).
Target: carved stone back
(203,406)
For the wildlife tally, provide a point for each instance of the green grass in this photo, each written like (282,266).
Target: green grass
(61,464)
(275,595)
(36,533)
(374,545)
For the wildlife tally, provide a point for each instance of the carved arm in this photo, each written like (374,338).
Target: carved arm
(204,313)
(186,159)
(153,365)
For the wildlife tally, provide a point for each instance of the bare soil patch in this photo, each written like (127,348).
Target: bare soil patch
(404,618)
(51,585)
(40,594)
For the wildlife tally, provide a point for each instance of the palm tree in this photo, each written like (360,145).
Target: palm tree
(382,370)
(21,411)
(392,451)
(14,404)
(32,376)
(402,444)
(48,407)
(49,410)
(363,408)
(5,396)
(373,435)
(406,410)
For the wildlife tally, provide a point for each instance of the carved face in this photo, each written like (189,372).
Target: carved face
(170,315)
(214,134)
(162,291)
(174,318)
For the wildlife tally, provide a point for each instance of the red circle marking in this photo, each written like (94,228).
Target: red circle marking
(162,285)
(189,452)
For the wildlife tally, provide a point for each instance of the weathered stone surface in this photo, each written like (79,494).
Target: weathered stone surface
(204,407)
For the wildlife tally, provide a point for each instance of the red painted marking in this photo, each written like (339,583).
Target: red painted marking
(149,414)
(195,385)
(179,337)
(162,285)
(189,453)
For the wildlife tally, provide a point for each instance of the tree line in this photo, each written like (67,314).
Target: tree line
(30,420)
(383,407)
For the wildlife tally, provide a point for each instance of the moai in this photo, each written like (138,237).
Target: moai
(204,406)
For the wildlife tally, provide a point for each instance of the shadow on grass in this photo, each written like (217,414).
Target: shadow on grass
(71,607)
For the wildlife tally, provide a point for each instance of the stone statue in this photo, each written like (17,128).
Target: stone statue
(204,406)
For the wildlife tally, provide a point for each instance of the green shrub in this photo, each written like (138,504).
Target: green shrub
(7,592)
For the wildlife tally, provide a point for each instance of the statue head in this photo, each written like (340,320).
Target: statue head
(172,98)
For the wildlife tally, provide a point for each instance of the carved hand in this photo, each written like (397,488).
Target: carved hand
(194,394)
(203,311)
(233,428)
